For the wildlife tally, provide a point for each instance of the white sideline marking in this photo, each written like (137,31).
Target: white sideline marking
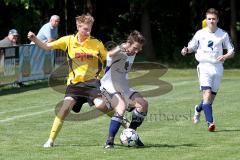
(180,83)
(20,109)
(184,82)
(24,115)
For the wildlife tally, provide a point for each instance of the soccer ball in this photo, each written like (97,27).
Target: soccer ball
(129,137)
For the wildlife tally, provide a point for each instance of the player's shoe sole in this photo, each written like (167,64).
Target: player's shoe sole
(211,127)
(196,117)
(48,144)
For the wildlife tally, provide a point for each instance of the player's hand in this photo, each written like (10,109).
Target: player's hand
(184,51)
(31,36)
(125,46)
(221,58)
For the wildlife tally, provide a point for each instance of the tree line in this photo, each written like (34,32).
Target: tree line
(167,25)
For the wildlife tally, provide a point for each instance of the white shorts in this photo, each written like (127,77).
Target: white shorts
(210,75)
(108,96)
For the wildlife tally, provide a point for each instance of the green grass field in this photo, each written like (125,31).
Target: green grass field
(26,116)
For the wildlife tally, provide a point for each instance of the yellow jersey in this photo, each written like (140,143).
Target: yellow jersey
(85,60)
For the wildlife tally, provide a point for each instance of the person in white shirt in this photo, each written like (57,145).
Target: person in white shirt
(116,91)
(208,44)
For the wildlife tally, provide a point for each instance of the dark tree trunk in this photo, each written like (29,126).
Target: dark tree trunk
(148,48)
(66,17)
(233,24)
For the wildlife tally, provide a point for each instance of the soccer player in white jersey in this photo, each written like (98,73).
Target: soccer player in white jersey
(208,43)
(115,88)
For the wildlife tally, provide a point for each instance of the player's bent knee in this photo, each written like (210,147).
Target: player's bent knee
(99,103)
(69,99)
(68,103)
(120,112)
(144,105)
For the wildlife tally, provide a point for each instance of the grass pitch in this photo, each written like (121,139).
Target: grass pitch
(26,116)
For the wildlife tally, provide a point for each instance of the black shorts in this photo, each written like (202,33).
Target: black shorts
(83,92)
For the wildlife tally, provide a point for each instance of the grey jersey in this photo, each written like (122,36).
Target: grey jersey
(115,78)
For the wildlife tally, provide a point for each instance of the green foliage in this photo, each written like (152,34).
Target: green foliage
(16,2)
(233,63)
(172,22)
(28,3)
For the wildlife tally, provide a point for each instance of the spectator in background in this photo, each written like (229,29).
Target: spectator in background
(10,40)
(49,31)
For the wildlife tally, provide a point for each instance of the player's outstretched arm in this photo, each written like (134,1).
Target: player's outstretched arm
(31,36)
(123,47)
(112,52)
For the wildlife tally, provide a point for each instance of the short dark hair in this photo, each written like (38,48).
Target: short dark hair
(212,11)
(136,36)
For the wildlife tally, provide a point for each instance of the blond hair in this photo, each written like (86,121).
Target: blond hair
(85,18)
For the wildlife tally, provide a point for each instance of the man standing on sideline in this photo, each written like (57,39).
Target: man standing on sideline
(208,43)
(49,31)
(10,40)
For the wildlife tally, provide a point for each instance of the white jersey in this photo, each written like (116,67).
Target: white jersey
(208,45)
(115,79)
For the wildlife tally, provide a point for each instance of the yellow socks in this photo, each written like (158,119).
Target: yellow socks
(56,127)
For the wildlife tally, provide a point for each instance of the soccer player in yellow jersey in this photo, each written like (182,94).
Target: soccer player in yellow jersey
(85,55)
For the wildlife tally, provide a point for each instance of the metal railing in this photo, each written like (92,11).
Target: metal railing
(28,62)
